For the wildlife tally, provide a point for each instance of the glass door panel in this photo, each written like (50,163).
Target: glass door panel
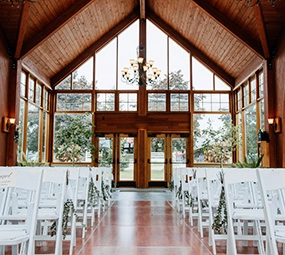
(105,151)
(157,158)
(126,158)
(167,151)
(178,146)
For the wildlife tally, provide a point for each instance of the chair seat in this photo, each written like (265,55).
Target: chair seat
(248,214)
(13,237)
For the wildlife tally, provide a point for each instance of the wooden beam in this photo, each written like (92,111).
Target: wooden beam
(105,39)
(22,29)
(230,26)
(142,9)
(190,47)
(54,26)
(261,30)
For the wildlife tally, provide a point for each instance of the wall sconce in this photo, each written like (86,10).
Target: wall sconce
(7,123)
(276,123)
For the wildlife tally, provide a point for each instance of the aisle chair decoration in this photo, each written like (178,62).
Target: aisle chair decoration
(69,209)
(218,146)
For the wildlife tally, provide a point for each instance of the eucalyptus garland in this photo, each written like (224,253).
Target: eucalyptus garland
(105,191)
(93,193)
(221,222)
(68,209)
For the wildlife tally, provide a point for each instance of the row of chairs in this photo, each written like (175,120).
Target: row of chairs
(48,204)
(235,205)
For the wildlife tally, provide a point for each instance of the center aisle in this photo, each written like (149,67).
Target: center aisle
(142,223)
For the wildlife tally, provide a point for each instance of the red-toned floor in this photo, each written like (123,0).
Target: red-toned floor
(142,227)
(142,223)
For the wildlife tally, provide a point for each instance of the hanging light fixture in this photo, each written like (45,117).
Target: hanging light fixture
(141,72)
(19,3)
(251,3)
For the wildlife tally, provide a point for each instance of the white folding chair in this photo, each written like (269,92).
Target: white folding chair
(82,198)
(238,184)
(96,178)
(107,179)
(51,207)
(214,188)
(202,199)
(20,236)
(72,195)
(272,187)
(186,181)
(176,185)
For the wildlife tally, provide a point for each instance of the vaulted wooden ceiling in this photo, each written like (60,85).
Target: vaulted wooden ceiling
(53,37)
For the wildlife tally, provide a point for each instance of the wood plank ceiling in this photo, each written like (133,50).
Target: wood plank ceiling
(53,37)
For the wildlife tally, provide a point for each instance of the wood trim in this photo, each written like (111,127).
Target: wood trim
(190,47)
(261,30)
(230,26)
(22,29)
(105,39)
(54,26)
(142,9)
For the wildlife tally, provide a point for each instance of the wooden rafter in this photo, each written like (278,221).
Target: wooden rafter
(142,9)
(190,47)
(54,26)
(261,30)
(22,29)
(230,26)
(94,47)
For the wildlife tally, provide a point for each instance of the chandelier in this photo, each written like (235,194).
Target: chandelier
(251,3)
(141,72)
(18,3)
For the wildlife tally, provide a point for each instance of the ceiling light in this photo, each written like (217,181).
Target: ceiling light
(141,72)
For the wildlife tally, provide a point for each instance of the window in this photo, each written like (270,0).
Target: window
(157,102)
(105,101)
(23,84)
(211,102)
(128,102)
(39,94)
(202,76)
(128,41)
(179,67)
(73,102)
(245,95)
(33,132)
(252,83)
(65,84)
(179,102)
(31,89)
(105,71)
(251,113)
(82,77)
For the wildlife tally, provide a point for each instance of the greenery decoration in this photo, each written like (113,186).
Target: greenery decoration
(93,193)
(68,210)
(220,223)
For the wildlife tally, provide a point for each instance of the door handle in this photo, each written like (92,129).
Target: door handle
(148,161)
(170,161)
(166,161)
(135,161)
